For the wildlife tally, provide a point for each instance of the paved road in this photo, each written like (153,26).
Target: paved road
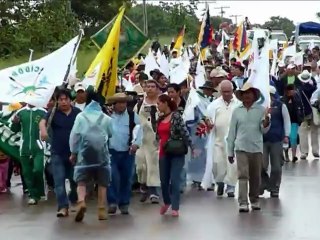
(294,216)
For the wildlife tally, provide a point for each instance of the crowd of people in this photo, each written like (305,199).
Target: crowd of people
(141,140)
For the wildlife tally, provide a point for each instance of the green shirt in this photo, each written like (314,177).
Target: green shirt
(290,79)
(246,130)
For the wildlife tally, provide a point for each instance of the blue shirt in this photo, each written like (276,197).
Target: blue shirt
(61,127)
(120,132)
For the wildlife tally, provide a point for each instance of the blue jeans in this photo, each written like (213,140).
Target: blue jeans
(170,177)
(62,169)
(119,191)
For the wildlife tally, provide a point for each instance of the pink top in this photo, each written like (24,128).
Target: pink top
(164,134)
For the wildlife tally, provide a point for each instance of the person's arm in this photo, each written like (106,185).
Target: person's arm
(265,121)
(232,134)
(138,139)
(16,123)
(286,120)
(43,127)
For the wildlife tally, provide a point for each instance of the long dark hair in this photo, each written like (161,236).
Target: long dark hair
(171,103)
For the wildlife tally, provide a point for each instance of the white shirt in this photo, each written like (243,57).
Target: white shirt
(81,106)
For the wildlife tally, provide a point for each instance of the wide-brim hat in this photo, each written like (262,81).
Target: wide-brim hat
(218,73)
(305,76)
(119,97)
(207,85)
(246,87)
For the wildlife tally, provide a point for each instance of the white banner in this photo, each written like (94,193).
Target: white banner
(34,82)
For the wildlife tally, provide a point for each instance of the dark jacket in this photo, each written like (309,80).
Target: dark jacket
(281,84)
(295,107)
(305,90)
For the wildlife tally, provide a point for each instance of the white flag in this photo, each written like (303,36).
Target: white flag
(164,65)
(34,82)
(200,74)
(92,78)
(151,63)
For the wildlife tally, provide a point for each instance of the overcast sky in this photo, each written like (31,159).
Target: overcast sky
(261,11)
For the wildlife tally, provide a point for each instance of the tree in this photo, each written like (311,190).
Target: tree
(94,13)
(217,20)
(277,22)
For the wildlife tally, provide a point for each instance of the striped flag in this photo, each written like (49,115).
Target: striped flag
(241,42)
(206,33)
(179,40)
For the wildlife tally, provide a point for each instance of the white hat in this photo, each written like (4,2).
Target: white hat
(291,66)
(281,64)
(305,76)
(79,86)
(218,72)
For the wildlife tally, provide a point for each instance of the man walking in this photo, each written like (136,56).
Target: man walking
(273,140)
(245,138)
(27,121)
(62,121)
(219,115)
(123,146)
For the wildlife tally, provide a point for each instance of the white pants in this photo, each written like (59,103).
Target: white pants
(304,141)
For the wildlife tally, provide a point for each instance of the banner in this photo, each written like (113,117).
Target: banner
(34,82)
(108,59)
(132,39)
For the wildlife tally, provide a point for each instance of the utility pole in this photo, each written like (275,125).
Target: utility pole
(235,16)
(145,18)
(221,10)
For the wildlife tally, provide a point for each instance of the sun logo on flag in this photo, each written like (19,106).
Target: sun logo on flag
(18,88)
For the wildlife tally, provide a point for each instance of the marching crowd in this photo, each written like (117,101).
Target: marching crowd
(141,140)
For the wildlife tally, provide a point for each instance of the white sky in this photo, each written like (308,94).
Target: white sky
(261,11)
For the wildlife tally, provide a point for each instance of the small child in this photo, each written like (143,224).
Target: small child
(4,165)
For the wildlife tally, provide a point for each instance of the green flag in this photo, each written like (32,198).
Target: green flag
(132,40)
(9,141)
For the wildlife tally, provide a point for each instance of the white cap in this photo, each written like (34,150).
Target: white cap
(79,86)
(291,66)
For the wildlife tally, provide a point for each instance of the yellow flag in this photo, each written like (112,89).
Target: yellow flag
(107,58)
(179,39)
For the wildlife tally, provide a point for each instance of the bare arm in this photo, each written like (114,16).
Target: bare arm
(43,130)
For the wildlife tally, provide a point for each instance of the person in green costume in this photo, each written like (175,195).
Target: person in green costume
(27,121)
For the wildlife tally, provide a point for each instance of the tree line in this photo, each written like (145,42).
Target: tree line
(45,25)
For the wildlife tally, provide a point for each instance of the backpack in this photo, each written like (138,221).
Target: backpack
(94,149)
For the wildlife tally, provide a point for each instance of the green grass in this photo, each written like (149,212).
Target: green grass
(84,57)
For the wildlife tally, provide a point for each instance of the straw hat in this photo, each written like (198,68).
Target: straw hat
(119,97)
(246,87)
(218,73)
(207,85)
(305,76)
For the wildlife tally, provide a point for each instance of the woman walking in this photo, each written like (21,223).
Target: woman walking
(173,140)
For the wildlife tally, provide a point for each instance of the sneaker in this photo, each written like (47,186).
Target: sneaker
(230,194)
(124,210)
(295,159)
(316,155)
(164,209)
(81,210)
(154,199)
(63,212)
(211,189)
(102,214)
(175,213)
(220,190)
(303,157)
(112,209)
(243,208)
(274,195)
(255,206)
(32,201)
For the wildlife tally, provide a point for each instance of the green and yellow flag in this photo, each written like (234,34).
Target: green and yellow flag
(106,61)
(132,39)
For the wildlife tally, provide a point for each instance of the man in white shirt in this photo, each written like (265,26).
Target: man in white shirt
(219,115)
(81,96)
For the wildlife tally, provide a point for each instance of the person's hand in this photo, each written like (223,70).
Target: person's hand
(286,140)
(44,135)
(133,149)
(73,158)
(231,159)
(196,153)
(16,119)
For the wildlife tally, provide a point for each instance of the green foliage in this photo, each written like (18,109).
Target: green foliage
(217,20)
(277,22)
(167,19)
(43,26)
